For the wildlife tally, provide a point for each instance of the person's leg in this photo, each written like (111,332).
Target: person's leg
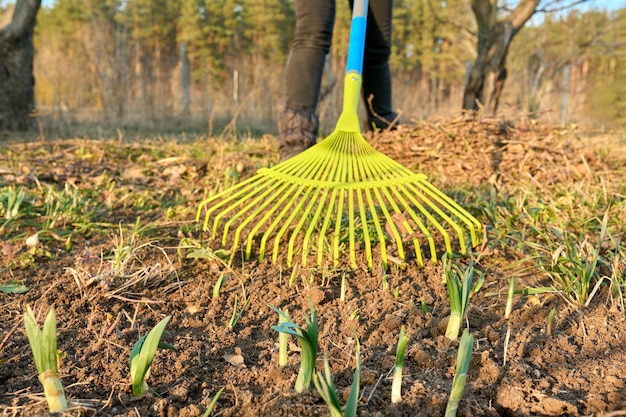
(376,72)
(298,124)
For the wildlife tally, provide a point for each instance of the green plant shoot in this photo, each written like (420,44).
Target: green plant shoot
(509,299)
(237,314)
(283,339)
(308,345)
(218,286)
(464,356)
(142,355)
(209,409)
(13,287)
(328,392)
(43,343)
(459,293)
(396,385)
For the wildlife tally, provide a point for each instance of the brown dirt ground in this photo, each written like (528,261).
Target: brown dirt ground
(577,371)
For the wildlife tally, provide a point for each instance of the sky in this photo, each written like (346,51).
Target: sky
(602,4)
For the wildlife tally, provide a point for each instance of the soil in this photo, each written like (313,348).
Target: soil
(578,370)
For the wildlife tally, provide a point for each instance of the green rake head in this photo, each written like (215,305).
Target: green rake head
(339,196)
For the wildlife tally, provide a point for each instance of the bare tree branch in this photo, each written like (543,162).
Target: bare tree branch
(556,7)
(524,11)
(443,21)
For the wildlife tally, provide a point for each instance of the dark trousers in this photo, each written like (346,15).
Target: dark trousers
(312,41)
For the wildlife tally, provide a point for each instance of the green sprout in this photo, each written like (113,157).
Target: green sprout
(463,359)
(238,314)
(43,343)
(142,355)
(218,286)
(10,201)
(13,287)
(459,292)
(509,298)
(326,388)
(396,386)
(209,409)
(572,262)
(308,345)
(283,339)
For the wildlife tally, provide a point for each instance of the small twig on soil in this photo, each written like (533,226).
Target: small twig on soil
(138,300)
(236,396)
(369,397)
(132,323)
(17,323)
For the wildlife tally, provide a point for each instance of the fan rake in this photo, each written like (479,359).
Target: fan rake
(340,194)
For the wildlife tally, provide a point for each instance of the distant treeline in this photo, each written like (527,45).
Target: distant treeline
(150,61)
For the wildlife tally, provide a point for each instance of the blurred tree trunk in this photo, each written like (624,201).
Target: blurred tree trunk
(184,71)
(17,98)
(495,34)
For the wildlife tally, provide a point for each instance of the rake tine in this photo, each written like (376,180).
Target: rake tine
(351,236)
(314,221)
(394,225)
(296,231)
(279,218)
(441,199)
(433,221)
(447,219)
(420,223)
(379,230)
(342,176)
(472,224)
(362,209)
(219,195)
(243,188)
(377,173)
(407,209)
(366,232)
(250,191)
(325,224)
(253,203)
(294,168)
(374,171)
(263,219)
(330,174)
(336,234)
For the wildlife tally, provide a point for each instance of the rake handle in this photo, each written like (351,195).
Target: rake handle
(356,46)
(349,120)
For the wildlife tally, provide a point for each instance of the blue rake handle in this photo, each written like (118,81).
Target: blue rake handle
(349,121)
(356,47)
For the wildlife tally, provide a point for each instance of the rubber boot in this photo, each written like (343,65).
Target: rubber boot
(297,131)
